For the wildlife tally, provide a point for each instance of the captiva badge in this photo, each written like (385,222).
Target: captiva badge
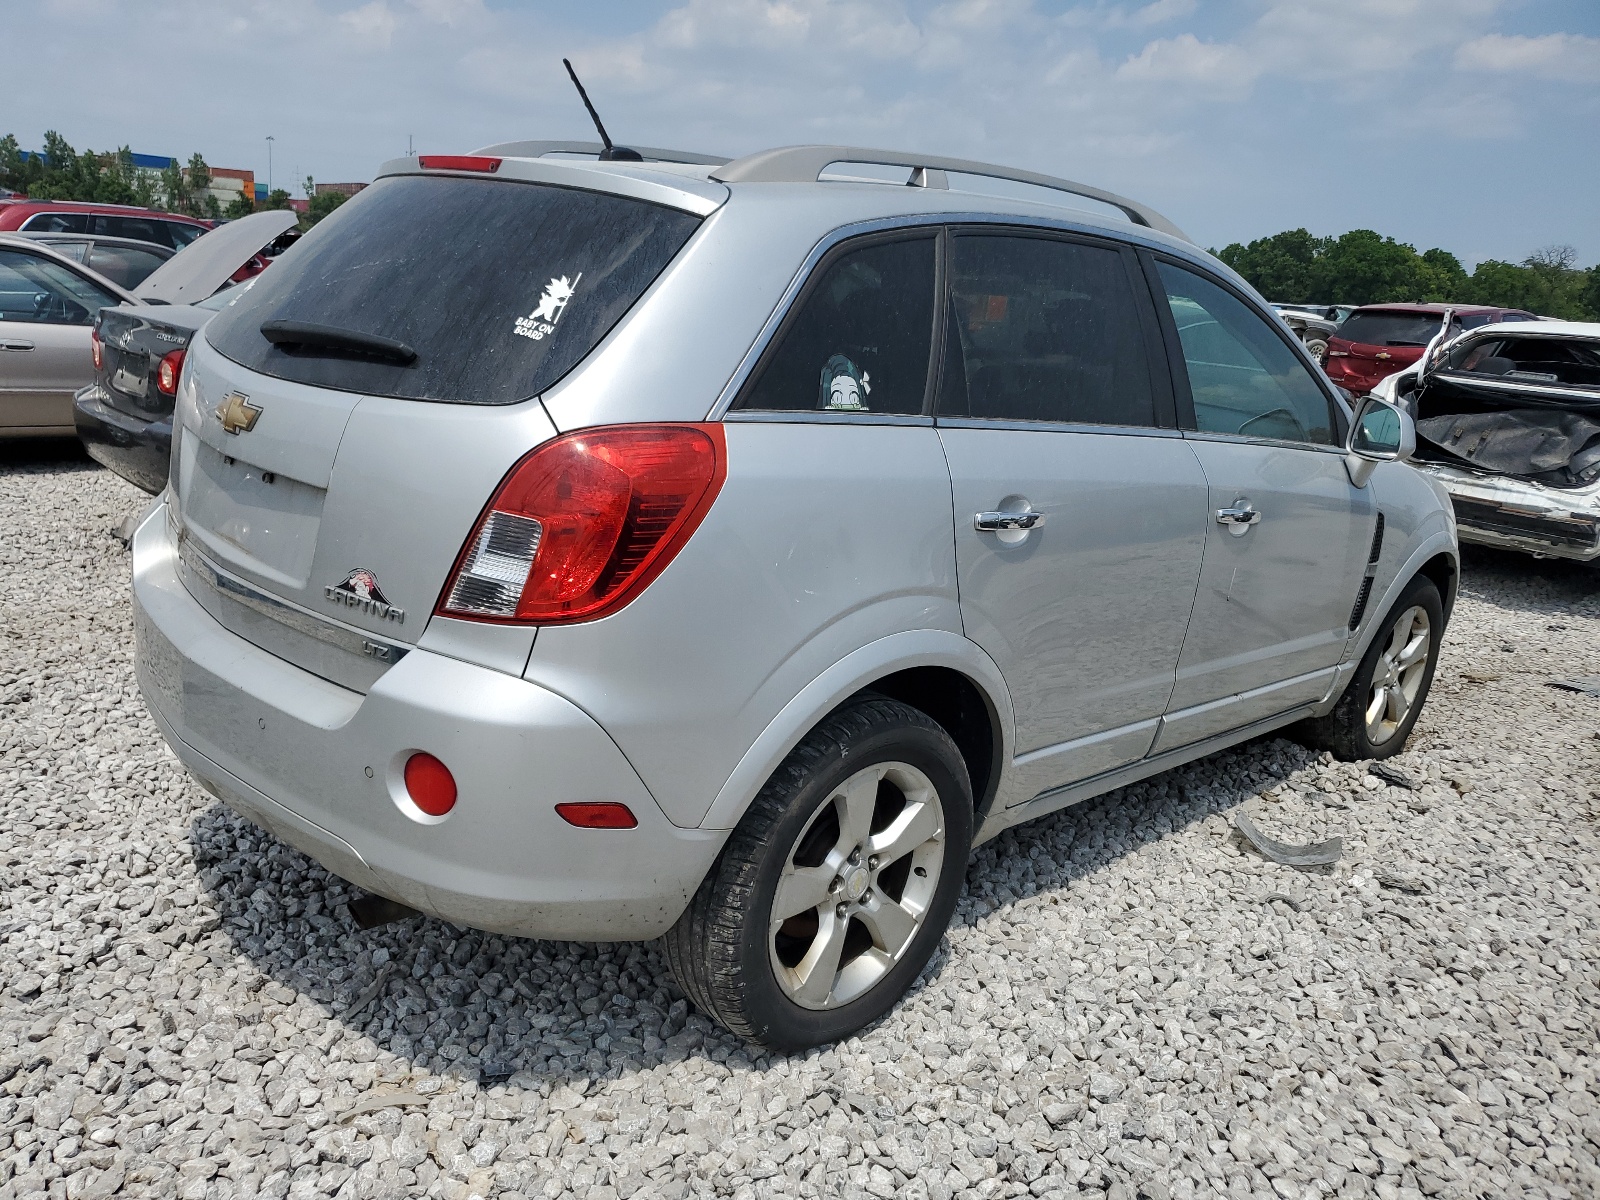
(360,590)
(541,322)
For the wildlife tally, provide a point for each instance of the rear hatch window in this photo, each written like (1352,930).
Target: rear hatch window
(499,288)
(1390,328)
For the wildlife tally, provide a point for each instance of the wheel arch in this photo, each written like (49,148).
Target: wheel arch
(938,672)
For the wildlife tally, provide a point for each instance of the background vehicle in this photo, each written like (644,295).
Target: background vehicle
(124,261)
(48,304)
(124,417)
(173,230)
(1379,339)
(613,589)
(1508,420)
(1310,327)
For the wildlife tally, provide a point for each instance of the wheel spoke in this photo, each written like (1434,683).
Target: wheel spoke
(891,925)
(1380,698)
(1399,638)
(1397,705)
(916,824)
(855,810)
(1416,650)
(819,969)
(800,888)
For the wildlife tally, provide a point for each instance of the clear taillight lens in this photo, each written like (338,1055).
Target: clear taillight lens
(585,522)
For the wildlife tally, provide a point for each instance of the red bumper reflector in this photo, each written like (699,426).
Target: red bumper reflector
(605,814)
(458,162)
(429,783)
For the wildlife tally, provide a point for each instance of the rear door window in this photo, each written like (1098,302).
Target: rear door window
(139,228)
(180,235)
(1244,378)
(499,287)
(125,265)
(861,337)
(1044,330)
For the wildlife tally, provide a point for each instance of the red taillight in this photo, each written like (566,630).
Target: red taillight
(583,523)
(458,162)
(604,814)
(430,785)
(96,350)
(167,373)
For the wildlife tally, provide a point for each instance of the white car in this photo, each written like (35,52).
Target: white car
(1508,420)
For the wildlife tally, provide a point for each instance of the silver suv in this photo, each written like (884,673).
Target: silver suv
(717,551)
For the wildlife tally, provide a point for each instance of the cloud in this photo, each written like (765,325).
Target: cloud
(1186,60)
(372,25)
(1569,57)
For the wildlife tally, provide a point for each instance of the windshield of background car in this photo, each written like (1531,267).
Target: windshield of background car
(500,287)
(1390,328)
(1558,361)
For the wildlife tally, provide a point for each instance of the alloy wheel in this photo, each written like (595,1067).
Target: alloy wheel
(856,885)
(1398,674)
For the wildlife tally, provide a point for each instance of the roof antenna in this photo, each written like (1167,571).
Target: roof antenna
(610,153)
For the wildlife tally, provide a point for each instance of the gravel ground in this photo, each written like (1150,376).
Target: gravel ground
(1131,1001)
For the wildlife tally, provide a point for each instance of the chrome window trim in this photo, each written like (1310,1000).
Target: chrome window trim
(1499,383)
(1056,427)
(1202,435)
(934,220)
(194,565)
(801,416)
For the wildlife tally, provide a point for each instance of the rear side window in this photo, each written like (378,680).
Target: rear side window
(181,235)
(126,265)
(57,223)
(1244,378)
(143,229)
(860,340)
(1044,330)
(499,287)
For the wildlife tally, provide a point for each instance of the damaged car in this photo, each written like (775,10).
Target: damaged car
(1508,420)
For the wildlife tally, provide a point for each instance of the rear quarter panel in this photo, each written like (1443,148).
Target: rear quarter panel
(824,539)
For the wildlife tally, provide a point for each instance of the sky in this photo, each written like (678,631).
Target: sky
(1466,124)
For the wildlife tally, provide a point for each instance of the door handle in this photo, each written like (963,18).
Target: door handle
(990,522)
(1240,515)
(15,345)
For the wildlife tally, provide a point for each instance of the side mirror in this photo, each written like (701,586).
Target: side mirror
(1380,433)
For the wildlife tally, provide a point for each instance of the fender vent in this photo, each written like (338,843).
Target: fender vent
(1370,574)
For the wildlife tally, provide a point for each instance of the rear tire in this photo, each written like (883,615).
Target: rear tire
(1381,704)
(836,886)
(1319,350)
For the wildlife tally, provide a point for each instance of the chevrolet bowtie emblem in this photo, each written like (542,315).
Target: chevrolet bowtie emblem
(237,414)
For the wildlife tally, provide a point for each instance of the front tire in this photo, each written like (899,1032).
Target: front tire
(1384,698)
(836,886)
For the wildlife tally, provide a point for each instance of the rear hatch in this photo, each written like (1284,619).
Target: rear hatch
(1373,344)
(133,341)
(346,420)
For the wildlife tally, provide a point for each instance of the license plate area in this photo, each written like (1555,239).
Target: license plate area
(261,521)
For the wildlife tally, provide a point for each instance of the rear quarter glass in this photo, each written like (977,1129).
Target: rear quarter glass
(500,287)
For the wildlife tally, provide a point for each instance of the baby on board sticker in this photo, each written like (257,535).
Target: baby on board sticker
(541,322)
(845,386)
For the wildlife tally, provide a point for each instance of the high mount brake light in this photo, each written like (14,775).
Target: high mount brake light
(167,373)
(458,162)
(583,523)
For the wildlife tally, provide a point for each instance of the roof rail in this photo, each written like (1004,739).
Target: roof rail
(803,164)
(649,153)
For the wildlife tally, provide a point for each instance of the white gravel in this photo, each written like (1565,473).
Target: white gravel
(1122,1008)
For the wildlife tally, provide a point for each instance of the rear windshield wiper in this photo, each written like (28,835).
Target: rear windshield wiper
(331,337)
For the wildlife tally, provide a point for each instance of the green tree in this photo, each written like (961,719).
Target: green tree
(323,203)
(241,205)
(276,198)
(1364,267)
(1441,276)
(1283,266)
(1591,294)
(174,188)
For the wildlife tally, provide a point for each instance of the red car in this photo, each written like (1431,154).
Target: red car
(1379,339)
(103,220)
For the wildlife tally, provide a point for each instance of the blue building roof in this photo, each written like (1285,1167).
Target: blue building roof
(153,162)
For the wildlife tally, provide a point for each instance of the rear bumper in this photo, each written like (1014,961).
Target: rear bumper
(321,767)
(1514,514)
(135,448)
